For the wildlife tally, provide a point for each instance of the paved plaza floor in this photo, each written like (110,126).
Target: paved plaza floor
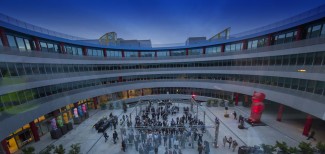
(92,142)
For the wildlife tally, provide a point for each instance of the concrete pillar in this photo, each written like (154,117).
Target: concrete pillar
(203,50)
(95,102)
(269,40)
(307,127)
(280,111)
(186,52)
(5,146)
(37,44)
(4,38)
(34,130)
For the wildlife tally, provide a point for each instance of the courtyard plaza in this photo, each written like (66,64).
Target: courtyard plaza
(92,142)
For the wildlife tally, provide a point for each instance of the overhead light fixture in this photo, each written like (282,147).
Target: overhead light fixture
(301,70)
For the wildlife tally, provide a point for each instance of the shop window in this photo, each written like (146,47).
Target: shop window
(21,44)
(11,41)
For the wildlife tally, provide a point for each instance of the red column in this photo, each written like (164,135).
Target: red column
(186,52)
(37,45)
(299,33)
(5,146)
(105,53)
(223,48)
(62,48)
(204,50)
(34,130)
(236,99)
(84,51)
(123,53)
(127,94)
(245,45)
(4,38)
(95,102)
(307,126)
(56,112)
(139,53)
(141,92)
(279,117)
(269,40)
(156,54)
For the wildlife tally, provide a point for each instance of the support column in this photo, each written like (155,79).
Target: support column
(95,102)
(186,52)
(307,126)
(37,45)
(104,53)
(299,33)
(170,53)
(5,146)
(127,94)
(139,53)
(141,92)
(84,51)
(280,111)
(156,55)
(62,49)
(236,99)
(269,40)
(4,38)
(223,48)
(34,130)
(245,45)
(120,79)
(203,50)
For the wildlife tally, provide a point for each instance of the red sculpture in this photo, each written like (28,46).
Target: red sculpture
(257,107)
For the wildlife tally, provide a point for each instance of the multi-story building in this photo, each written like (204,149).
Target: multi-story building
(45,74)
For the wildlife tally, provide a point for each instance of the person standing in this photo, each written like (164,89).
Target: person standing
(230,141)
(235,115)
(206,147)
(123,145)
(200,148)
(106,136)
(136,144)
(176,144)
(156,149)
(224,141)
(234,145)
(114,137)
(311,135)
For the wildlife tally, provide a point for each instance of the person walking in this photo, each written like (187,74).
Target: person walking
(230,141)
(311,135)
(206,147)
(114,137)
(200,148)
(176,143)
(224,141)
(136,144)
(235,115)
(234,145)
(106,136)
(123,145)
(156,149)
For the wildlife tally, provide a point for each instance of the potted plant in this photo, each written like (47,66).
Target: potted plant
(75,148)
(226,112)
(283,147)
(215,103)
(48,149)
(268,149)
(110,106)
(28,150)
(103,106)
(320,147)
(59,149)
(231,103)
(222,103)
(306,148)
(209,103)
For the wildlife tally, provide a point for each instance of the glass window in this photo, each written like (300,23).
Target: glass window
(162,53)
(289,37)
(50,47)
(28,47)
(309,59)
(147,54)
(301,59)
(1,42)
(20,69)
(319,58)
(212,50)
(197,51)
(178,53)
(21,44)
(131,54)
(89,52)
(323,30)
(315,32)
(320,86)
(43,46)
(293,59)
(12,69)
(311,86)
(227,48)
(11,41)
(79,51)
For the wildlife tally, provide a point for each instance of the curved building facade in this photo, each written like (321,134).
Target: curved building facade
(45,74)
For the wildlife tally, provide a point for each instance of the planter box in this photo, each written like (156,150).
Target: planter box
(226,115)
(56,134)
(69,126)
(77,120)
(64,129)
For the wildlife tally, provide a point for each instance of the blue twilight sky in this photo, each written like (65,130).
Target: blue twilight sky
(162,21)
